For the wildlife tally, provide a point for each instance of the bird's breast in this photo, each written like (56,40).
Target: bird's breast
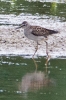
(29,35)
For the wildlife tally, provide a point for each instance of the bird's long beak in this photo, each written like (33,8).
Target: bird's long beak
(20,26)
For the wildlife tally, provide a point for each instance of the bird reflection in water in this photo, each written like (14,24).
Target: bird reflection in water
(35,81)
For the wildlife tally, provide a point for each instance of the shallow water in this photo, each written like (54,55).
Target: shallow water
(19,79)
(14,9)
(34,7)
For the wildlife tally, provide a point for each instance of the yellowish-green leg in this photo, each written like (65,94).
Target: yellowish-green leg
(35,50)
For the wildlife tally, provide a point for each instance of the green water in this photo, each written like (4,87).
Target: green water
(35,8)
(14,69)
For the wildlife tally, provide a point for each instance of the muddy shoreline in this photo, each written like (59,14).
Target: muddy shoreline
(13,42)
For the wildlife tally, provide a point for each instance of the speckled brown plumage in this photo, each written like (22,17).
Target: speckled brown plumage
(40,31)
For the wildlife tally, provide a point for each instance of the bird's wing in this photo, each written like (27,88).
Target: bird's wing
(39,31)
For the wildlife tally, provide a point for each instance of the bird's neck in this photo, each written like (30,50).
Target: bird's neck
(27,28)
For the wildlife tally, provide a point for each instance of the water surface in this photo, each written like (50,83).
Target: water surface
(19,77)
(55,10)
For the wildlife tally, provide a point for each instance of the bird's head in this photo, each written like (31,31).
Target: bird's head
(23,25)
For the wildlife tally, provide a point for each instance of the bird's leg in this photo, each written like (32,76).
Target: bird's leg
(48,57)
(47,49)
(35,50)
(46,64)
(35,63)
(34,54)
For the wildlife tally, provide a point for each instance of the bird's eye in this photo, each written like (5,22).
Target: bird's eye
(23,24)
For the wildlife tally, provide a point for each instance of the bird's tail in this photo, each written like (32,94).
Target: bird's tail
(53,32)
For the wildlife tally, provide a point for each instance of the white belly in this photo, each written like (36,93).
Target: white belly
(32,37)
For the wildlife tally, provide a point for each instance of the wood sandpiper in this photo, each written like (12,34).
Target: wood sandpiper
(36,33)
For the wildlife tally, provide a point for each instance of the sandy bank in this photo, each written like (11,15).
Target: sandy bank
(13,42)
